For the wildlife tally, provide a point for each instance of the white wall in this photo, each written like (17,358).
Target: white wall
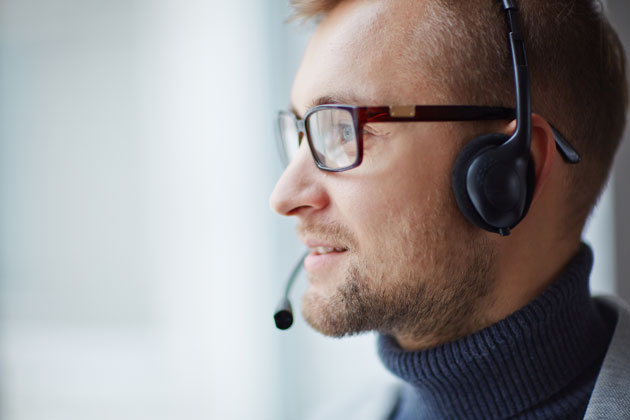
(619,12)
(136,246)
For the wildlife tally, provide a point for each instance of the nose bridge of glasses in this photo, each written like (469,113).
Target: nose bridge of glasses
(301,126)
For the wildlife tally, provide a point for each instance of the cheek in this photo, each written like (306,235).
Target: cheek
(403,181)
(383,213)
(402,185)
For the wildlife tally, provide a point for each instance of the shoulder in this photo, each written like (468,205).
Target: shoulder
(373,402)
(611,396)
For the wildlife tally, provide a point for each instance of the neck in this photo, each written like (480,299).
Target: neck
(525,268)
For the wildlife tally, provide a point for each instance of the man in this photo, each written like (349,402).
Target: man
(464,253)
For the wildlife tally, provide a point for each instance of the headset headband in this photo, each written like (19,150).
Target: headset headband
(521,139)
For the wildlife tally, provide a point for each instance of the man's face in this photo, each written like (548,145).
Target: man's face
(390,251)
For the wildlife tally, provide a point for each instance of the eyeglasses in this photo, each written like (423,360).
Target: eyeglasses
(335,132)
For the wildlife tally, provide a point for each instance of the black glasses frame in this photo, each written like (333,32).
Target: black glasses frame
(362,115)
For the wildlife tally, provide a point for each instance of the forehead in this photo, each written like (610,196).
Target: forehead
(366,50)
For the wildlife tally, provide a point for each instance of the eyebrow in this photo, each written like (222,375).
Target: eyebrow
(327,100)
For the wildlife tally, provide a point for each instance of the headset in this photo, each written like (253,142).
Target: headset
(493,178)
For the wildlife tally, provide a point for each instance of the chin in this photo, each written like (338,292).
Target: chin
(341,305)
(325,311)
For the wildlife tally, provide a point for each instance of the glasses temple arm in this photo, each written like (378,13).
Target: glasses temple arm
(567,151)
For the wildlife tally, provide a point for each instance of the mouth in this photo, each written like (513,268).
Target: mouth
(323,258)
(323,250)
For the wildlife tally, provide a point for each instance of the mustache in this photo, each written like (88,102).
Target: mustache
(330,232)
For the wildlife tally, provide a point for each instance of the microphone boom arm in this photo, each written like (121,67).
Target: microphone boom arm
(283,315)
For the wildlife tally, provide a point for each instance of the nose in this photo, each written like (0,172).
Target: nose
(300,188)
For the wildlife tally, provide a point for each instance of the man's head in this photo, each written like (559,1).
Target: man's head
(404,260)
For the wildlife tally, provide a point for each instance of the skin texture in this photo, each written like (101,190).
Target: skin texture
(411,265)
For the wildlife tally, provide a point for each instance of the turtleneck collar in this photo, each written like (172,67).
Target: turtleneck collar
(515,366)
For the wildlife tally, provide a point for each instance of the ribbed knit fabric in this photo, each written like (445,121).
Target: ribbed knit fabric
(541,362)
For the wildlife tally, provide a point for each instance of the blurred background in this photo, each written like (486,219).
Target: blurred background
(139,261)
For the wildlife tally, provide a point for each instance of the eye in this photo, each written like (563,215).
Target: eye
(347,134)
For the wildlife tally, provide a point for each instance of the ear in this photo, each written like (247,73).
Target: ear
(543,152)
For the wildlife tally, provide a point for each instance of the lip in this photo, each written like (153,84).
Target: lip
(313,243)
(315,262)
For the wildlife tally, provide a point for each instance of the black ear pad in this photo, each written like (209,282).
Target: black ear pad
(499,188)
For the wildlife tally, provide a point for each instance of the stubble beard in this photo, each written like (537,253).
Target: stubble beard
(429,287)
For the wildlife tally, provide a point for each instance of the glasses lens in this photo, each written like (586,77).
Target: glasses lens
(288,136)
(333,137)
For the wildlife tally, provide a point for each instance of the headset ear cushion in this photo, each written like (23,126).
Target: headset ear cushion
(465,158)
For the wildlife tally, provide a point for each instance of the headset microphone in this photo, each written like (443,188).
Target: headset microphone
(284,313)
